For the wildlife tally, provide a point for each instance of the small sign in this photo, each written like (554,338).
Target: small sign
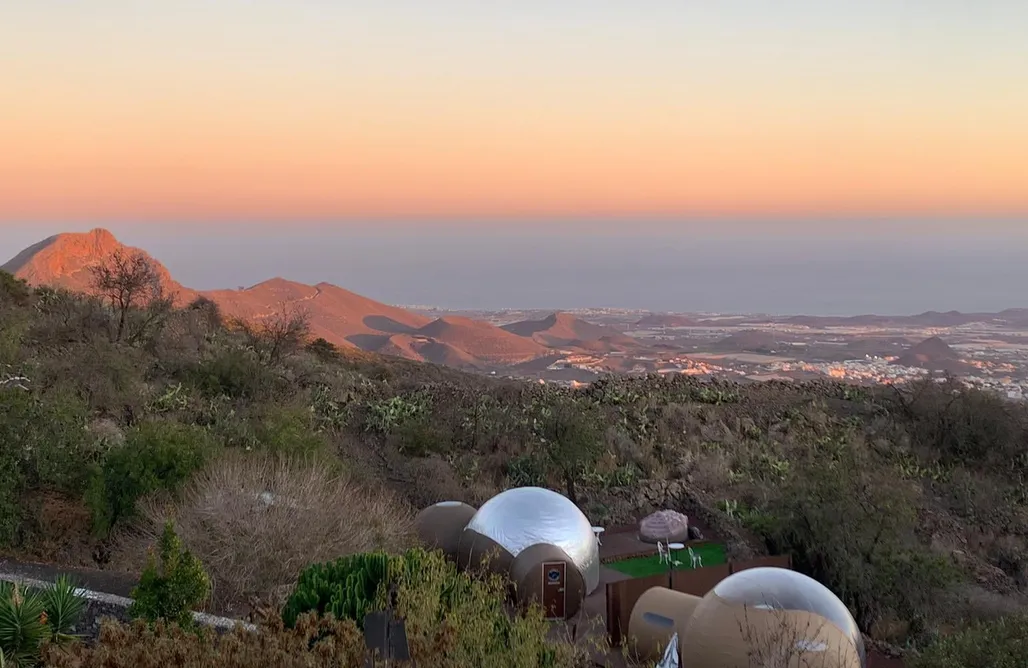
(553,575)
(386,636)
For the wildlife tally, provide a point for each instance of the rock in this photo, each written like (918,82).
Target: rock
(666,526)
(678,494)
(695,533)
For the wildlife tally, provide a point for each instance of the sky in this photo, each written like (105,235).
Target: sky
(471,113)
(794,156)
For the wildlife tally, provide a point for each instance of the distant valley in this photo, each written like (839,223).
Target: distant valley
(578,346)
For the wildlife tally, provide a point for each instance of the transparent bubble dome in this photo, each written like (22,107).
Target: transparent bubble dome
(525,516)
(784,589)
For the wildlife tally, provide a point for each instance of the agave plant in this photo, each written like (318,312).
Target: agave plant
(23,625)
(64,608)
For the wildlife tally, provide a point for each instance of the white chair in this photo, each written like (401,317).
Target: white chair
(661,554)
(697,560)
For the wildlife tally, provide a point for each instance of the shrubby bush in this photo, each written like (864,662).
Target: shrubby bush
(452,618)
(452,621)
(855,532)
(156,455)
(173,584)
(315,643)
(43,446)
(234,372)
(256,519)
(1002,643)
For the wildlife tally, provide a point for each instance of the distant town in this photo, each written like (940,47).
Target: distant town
(991,352)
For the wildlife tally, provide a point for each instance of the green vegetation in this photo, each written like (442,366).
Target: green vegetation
(911,502)
(155,456)
(1001,643)
(31,619)
(173,589)
(347,588)
(712,554)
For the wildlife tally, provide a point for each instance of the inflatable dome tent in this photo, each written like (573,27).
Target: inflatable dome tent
(756,614)
(542,541)
(440,525)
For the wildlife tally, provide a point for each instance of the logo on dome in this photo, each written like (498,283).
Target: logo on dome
(553,575)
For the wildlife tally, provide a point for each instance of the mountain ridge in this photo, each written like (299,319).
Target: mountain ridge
(342,317)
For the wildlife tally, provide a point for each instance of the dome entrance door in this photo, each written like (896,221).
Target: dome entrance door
(554,601)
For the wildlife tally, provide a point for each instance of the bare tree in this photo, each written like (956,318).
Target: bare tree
(131,283)
(278,335)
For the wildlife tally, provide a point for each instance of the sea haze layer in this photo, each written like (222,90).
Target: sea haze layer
(479,270)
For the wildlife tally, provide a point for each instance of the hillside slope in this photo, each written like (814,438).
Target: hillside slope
(489,342)
(339,316)
(933,354)
(564,329)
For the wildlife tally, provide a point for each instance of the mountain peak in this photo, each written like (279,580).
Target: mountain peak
(66,260)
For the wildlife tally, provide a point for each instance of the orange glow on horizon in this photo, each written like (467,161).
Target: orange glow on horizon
(284,118)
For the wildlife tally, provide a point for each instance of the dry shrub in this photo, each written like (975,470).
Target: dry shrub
(315,643)
(255,520)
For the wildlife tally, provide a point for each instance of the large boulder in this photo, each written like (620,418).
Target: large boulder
(665,526)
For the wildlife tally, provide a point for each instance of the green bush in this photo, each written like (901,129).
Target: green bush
(452,619)
(233,372)
(290,431)
(347,588)
(996,644)
(14,291)
(855,532)
(155,456)
(173,589)
(43,447)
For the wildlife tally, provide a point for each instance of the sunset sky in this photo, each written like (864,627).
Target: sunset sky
(119,110)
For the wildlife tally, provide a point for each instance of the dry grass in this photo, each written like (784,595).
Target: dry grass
(255,520)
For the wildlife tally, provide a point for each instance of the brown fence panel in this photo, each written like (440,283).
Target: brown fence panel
(614,625)
(784,561)
(621,599)
(624,594)
(699,581)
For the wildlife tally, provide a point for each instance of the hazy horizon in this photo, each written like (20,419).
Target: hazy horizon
(571,268)
(663,155)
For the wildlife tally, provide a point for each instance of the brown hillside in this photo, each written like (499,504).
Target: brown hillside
(64,260)
(564,329)
(421,349)
(933,354)
(336,315)
(483,340)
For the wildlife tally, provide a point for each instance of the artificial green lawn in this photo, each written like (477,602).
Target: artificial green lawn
(713,554)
